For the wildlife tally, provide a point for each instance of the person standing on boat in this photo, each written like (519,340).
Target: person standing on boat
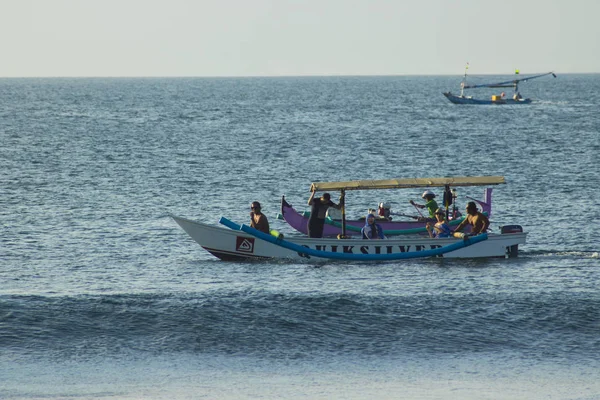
(258,220)
(371,230)
(319,207)
(441,229)
(431,205)
(478,221)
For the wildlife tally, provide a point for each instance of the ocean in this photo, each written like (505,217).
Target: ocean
(103,296)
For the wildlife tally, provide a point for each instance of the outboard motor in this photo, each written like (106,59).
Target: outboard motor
(512,251)
(511,229)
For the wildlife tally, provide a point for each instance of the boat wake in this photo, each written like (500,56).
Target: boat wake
(561,253)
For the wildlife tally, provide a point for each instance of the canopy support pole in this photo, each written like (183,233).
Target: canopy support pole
(343,201)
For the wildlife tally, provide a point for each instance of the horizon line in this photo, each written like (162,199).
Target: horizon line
(267,76)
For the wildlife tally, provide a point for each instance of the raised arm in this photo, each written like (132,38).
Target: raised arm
(311,198)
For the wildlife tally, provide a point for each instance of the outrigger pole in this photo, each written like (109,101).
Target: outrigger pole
(510,83)
(307,251)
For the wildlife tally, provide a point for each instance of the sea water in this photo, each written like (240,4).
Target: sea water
(103,296)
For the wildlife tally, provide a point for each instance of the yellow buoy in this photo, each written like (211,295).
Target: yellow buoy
(276,234)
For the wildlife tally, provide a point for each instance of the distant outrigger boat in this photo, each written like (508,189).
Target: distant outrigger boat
(495,99)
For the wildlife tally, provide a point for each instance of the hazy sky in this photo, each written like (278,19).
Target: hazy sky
(296,37)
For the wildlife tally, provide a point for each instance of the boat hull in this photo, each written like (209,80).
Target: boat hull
(234,245)
(470,100)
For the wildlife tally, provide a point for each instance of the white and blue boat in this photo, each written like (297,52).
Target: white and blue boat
(238,242)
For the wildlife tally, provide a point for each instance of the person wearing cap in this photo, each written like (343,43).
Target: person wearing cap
(478,221)
(431,205)
(258,220)
(441,229)
(371,230)
(318,211)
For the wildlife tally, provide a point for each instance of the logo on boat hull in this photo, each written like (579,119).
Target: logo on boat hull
(244,244)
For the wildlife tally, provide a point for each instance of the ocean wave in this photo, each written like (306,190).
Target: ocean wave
(285,325)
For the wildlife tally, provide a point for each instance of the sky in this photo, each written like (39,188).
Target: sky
(148,38)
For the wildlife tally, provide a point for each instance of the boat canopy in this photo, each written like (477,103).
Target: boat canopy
(408,183)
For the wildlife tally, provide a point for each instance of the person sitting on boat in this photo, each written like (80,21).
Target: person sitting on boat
(441,229)
(384,211)
(319,207)
(258,220)
(430,204)
(372,230)
(517,96)
(478,221)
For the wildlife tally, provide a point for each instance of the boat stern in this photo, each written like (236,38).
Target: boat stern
(512,251)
